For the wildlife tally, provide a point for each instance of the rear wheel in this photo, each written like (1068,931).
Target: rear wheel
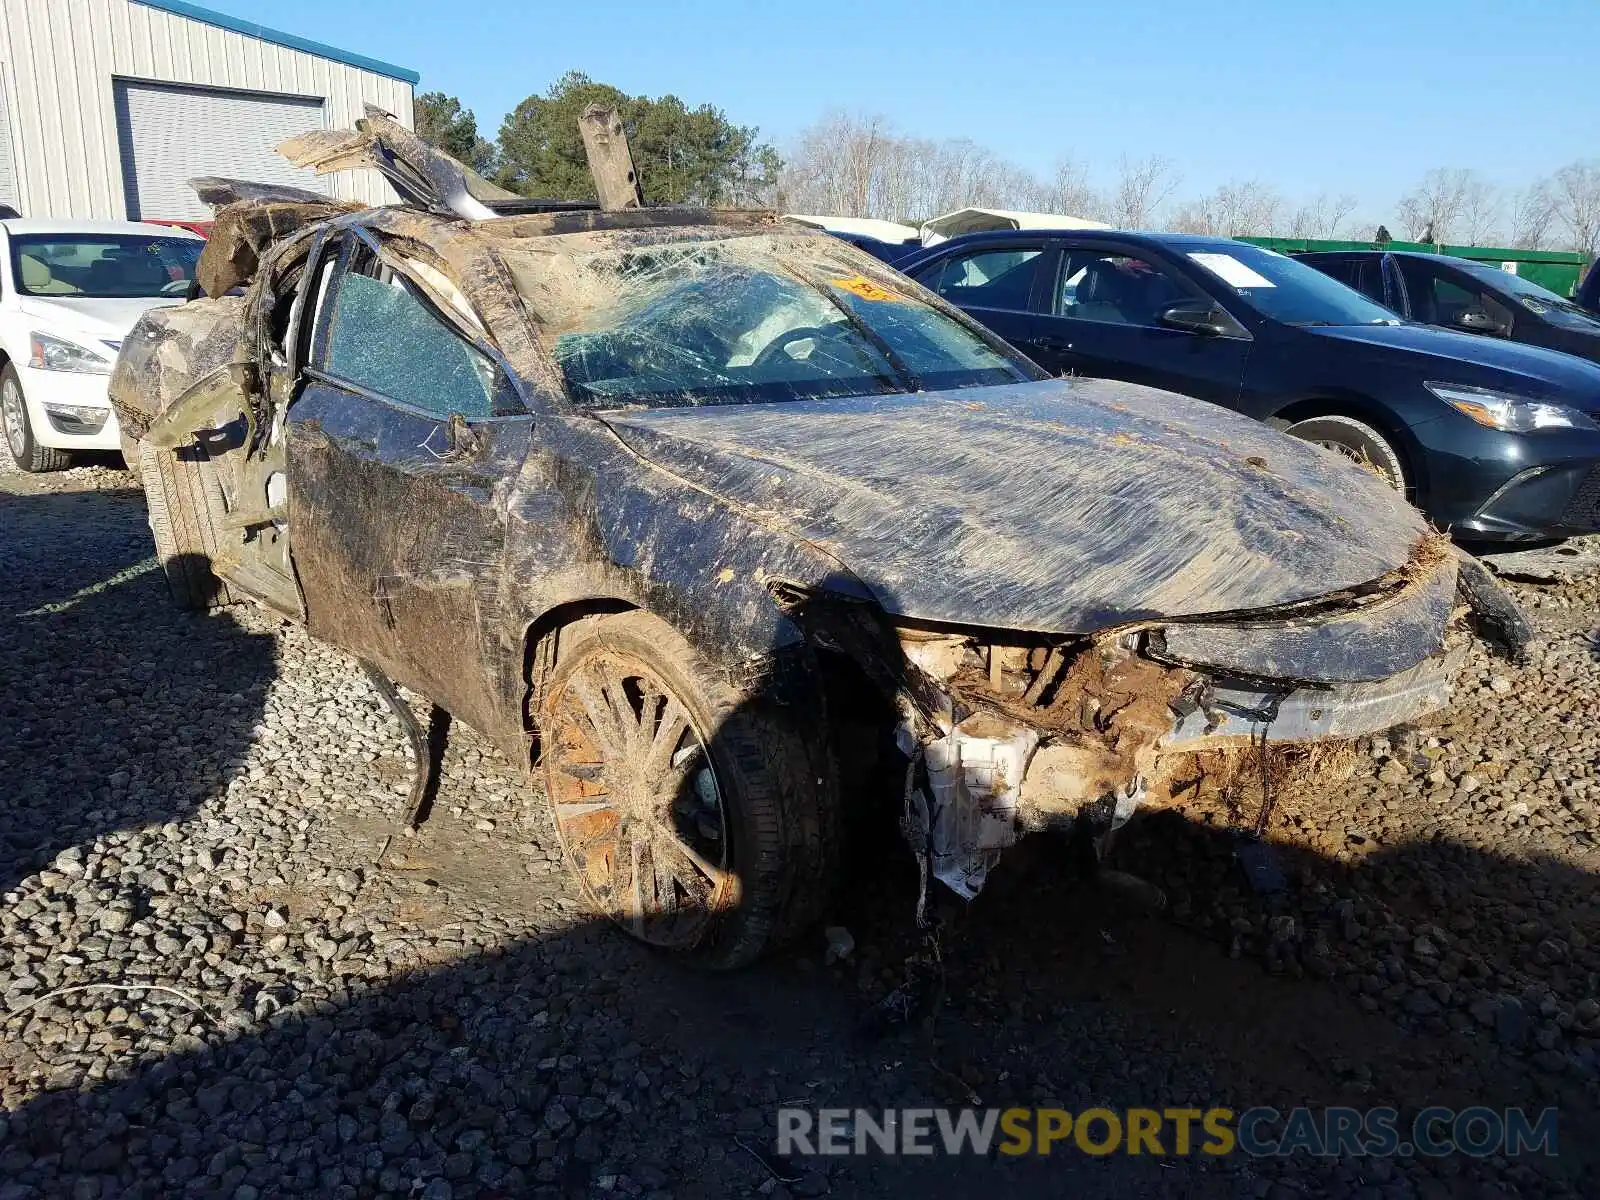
(1357,441)
(25,449)
(185,502)
(690,814)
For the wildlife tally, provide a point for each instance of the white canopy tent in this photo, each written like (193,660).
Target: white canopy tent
(884,231)
(974,220)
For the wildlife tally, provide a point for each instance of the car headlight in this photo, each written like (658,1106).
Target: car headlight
(50,353)
(1508,411)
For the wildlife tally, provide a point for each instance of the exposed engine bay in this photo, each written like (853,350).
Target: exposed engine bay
(1009,734)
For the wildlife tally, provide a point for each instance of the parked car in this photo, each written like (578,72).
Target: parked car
(1468,296)
(1589,291)
(1492,440)
(69,293)
(888,252)
(887,241)
(201,228)
(682,508)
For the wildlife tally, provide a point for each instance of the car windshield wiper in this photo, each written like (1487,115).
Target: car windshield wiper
(1571,309)
(1305,324)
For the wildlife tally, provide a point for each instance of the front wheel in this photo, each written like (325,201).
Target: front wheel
(1357,441)
(184,497)
(24,447)
(691,815)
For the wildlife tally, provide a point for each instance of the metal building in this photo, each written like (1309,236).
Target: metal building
(108,106)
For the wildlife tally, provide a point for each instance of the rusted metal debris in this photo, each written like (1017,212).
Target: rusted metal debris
(427,753)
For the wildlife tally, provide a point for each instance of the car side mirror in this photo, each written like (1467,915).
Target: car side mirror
(1197,316)
(1475,320)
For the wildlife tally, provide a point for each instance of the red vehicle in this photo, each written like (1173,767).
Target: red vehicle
(203,228)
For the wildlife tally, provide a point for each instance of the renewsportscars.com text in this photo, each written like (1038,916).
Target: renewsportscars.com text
(1260,1132)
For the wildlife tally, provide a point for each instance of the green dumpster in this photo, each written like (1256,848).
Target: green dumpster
(1558,270)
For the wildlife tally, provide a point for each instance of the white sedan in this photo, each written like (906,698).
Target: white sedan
(69,293)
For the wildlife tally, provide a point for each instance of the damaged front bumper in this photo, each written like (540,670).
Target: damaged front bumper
(1234,712)
(979,780)
(1004,739)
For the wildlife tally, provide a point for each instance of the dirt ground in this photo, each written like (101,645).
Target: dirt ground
(193,807)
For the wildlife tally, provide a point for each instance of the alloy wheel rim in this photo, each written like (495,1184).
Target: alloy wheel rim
(11,409)
(637,804)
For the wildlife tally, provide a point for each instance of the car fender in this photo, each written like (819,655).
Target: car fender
(1347,403)
(644,537)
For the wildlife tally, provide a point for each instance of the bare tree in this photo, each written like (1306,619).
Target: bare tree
(1143,186)
(1532,216)
(839,165)
(1232,210)
(812,179)
(1069,192)
(1320,217)
(862,154)
(1481,205)
(1575,194)
(1429,211)
(1337,210)
(859,166)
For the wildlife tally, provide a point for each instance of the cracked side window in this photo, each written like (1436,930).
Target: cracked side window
(385,338)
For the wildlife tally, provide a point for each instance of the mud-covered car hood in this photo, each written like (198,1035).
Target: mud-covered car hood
(1063,506)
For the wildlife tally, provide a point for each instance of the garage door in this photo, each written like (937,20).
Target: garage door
(8,165)
(168,135)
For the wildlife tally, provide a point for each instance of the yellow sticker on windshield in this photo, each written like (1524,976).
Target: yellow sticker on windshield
(860,285)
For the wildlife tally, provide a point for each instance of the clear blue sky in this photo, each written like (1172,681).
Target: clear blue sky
(1360,96)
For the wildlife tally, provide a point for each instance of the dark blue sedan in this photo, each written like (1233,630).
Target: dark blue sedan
(1494,441)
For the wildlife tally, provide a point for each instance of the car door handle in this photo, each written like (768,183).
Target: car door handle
(1052,343)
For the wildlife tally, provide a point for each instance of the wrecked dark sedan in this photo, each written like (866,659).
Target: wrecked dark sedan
(695,512)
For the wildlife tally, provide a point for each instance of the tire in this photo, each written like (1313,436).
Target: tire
(130,452)
(741,819)
(25,449)
(1357,441)
(185,502)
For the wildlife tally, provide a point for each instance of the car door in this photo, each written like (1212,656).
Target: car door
(1105,319)
(998,284)
(396,439)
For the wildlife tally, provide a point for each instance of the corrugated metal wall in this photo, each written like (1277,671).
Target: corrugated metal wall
(58,58)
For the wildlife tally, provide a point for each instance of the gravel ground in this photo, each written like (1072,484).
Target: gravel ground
(193,807)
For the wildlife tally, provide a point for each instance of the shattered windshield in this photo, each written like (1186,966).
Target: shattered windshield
(742,320)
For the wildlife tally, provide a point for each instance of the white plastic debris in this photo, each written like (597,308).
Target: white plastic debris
(975,777)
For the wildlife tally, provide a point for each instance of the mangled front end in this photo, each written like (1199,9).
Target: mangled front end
(1011,733)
